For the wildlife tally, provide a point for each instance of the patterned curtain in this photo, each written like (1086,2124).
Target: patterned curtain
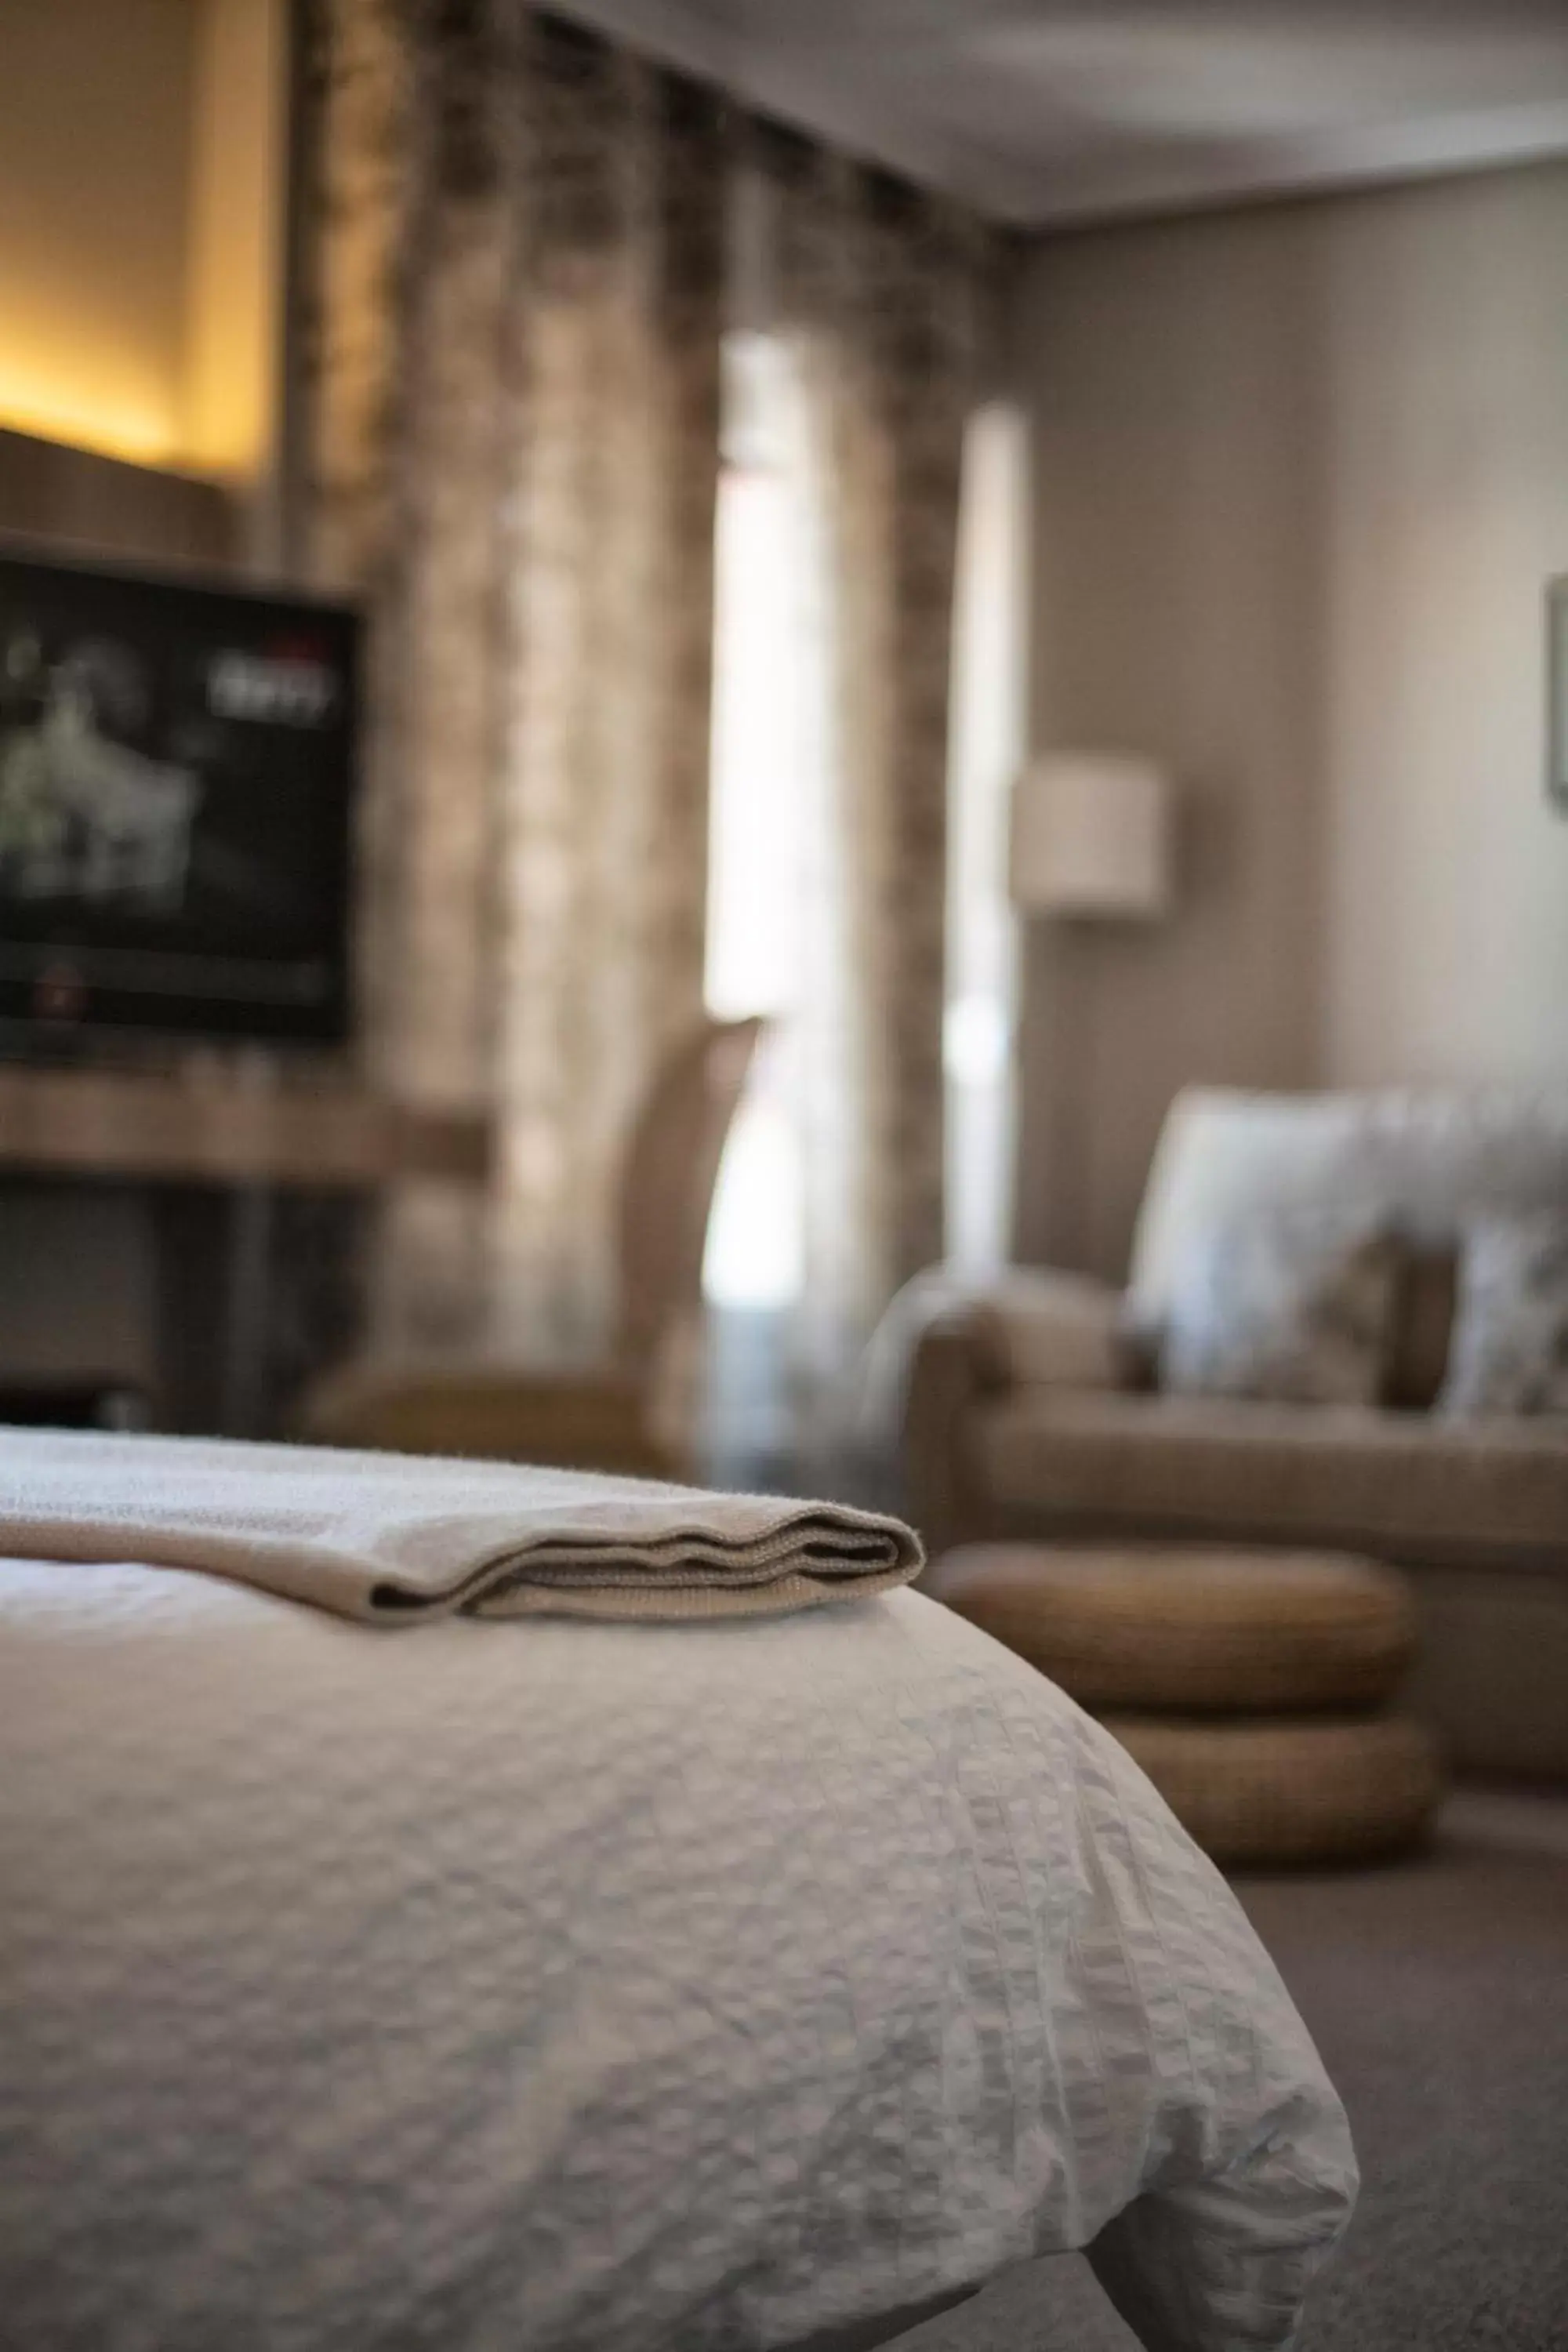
(881,292)
(505,410)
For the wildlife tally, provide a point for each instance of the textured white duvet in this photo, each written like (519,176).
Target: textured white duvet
(568,1988)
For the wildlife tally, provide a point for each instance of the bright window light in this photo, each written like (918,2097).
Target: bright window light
(985,746)
(754,899)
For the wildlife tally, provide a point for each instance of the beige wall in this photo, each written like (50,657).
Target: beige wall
(95,108)
(140,182)
(1446,914)
(235,252)
(1300,474)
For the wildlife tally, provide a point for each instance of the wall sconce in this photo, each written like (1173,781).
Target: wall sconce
(1091,837)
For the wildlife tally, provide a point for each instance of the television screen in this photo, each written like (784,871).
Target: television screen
(176,766)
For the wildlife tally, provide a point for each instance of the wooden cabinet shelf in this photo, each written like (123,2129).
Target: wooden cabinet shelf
(222,1128)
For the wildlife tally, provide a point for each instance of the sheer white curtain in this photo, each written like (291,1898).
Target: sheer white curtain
(768,788)
(766,749)
(986,744)
(878,296)
(846,414)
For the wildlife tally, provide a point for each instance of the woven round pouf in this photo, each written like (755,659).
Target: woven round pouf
(1291,1792)
(1175,1628)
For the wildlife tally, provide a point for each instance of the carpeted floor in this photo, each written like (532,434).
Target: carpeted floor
(1438,1992)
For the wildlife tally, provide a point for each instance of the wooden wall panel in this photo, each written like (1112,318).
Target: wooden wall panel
(93,505)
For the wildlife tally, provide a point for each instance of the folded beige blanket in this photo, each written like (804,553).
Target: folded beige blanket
(389,1537)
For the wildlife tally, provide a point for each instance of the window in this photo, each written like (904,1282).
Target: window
(985,747)
(756,844)
(770,800)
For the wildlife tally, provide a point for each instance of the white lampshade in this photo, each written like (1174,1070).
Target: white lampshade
(1091,836)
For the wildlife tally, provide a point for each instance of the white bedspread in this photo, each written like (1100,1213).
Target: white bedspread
(577,1987)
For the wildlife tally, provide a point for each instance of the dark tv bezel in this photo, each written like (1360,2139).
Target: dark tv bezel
(331,1031)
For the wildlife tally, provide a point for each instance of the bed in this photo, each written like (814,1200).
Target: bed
(564,1984)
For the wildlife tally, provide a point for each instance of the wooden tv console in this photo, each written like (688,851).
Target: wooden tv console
(244,1126)
(227,1126)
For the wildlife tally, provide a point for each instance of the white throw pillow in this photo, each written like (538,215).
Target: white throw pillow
(1296,1307)
(1509,1350)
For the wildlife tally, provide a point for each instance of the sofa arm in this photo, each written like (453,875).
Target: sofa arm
(1040,1329)
(951,1369)
(1024,1326)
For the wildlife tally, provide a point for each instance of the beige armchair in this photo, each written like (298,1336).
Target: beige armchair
(615,1417)
(1032,1411)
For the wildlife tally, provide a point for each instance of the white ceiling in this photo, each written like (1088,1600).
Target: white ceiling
(1055,110)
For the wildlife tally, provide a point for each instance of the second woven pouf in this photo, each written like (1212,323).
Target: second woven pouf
(1264,1790)
(1247,1684)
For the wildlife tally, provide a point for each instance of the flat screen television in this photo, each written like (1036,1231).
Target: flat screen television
(176,779)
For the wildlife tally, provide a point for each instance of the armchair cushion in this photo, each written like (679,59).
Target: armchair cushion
(1510,1336)
(1400,1486)
(1297,1306)
(1428,1161)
